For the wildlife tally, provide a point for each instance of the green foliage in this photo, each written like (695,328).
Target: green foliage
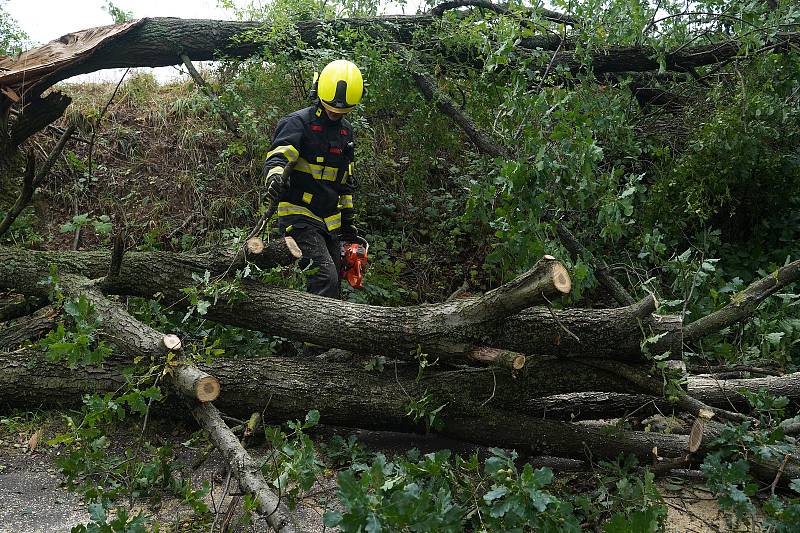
(293,467)
(102,224)
(207,293)
(633,499)
(117,13)
(424,409)
(121,523)
(345,452)
(12,38)
(439,492)
(23,231)
(739,164)
(104,472)
(728,469)
(74,340)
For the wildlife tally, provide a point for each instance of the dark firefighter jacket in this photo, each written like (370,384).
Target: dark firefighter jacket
(320,191)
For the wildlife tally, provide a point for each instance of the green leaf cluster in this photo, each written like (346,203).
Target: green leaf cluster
(75,340)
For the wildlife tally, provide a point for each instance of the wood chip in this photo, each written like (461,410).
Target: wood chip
(33,443)
(706,413)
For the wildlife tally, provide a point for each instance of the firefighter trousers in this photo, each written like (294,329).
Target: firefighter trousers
(320,250)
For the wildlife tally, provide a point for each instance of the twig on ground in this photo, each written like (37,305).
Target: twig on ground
(779,473)
(221,501)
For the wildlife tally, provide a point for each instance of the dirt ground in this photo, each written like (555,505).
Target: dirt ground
(33,500)
(693,509)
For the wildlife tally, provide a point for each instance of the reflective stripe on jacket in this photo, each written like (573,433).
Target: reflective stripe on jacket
(320,191)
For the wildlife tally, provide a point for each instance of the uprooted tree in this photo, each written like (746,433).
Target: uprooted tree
(514,369)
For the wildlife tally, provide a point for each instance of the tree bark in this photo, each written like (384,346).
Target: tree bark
(448,330)
(348,396)
(154,42)
(16,306)
(37,114)
(245,469)
(594,405)
(25,268)
(726,391)
(743,303)
(28,328)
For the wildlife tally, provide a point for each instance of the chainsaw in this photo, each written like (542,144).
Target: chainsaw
(354,262)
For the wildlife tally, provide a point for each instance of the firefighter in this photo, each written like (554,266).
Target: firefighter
(315,198)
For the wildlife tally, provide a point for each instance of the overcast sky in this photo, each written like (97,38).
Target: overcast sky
(45,20)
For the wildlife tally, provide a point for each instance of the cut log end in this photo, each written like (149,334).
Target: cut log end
(496,357)
(561,280)
(254,245)
(207,389)
(696,435)
(294,249)
(172,343)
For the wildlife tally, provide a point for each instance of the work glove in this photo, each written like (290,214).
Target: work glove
(275,187)
(349,233)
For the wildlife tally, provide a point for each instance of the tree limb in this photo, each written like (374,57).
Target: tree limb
(32,179)
(132,336)
(546,14)
(577,250)
(37,115)
(429,88)
(655,387)
(226,117)
(743,303)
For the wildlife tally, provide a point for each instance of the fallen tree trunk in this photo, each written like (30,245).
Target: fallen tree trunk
(595,405)
(200,388)
(23,268)
(562,389)
(450,329)
(446,330)
(725,392)
(28,328)
(155,42)
(158,42)
(479,408)
(16,305)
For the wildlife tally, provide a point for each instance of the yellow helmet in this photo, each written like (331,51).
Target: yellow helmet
(340,86)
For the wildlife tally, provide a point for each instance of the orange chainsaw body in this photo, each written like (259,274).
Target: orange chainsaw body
(355,257)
